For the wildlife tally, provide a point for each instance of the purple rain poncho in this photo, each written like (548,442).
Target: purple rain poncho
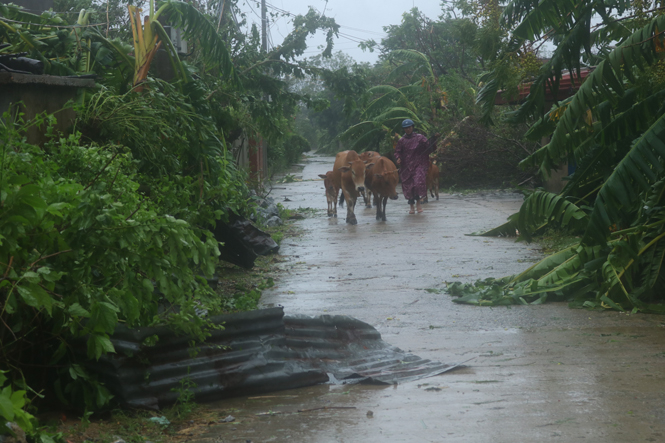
(413,150)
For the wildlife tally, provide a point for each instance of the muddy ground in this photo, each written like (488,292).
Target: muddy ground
(532,374)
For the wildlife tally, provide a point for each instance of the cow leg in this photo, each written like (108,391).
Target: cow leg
(350,205)
(335,203)
(436,188)
(385,201)
(377,203)
(366,197)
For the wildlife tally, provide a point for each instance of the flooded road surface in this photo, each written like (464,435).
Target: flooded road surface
(534,373)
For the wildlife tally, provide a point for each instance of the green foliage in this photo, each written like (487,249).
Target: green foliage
(337,90)
(185,402)
(82,250)
(109,224)
(12,405)
(287,152)
(244,298)
(612,129)
(448,44)
(544,208)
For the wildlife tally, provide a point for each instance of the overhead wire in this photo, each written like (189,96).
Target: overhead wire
(341,34)
(47,25)
(250,7)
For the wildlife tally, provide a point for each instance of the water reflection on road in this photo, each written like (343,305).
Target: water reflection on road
(538,373)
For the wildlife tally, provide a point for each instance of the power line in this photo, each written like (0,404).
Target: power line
(250,7)
(46,25)
(363,30)
(290,14)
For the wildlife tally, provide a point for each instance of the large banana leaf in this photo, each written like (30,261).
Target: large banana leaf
(603,83)
(391,96)
(542,208)
(198,27)
(635,172)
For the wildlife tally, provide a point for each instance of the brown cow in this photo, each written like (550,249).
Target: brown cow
(340,160)
(351,173)
(331,193)
(384,181)
(433,179)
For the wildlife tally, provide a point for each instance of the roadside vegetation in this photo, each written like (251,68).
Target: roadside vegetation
(611,129)
(110,223)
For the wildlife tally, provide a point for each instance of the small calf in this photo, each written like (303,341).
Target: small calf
(433,179)
(331,193)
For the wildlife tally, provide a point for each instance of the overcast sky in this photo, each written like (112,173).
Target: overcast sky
(358,20)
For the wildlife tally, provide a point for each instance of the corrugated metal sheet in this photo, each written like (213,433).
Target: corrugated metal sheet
(352,351)
(257,352)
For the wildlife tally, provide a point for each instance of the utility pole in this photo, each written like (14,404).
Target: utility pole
(264,30)
(262,159)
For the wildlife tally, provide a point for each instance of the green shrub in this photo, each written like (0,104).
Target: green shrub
(81,250)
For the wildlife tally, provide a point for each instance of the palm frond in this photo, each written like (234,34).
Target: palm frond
(542,208)
(391,96)
(550,14)
(487,96)
(197,26)
(409,70)
(361,143)
(634,172)
(359,129)
(603,83)
(411,55)
(118,47)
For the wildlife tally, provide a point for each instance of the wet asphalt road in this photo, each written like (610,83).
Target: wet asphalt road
(536,373)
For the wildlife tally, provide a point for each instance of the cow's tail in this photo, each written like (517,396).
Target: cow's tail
(341,200)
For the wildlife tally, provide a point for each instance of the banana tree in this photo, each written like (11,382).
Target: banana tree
(63,51)
(613,128)
(146,42)
(149,36)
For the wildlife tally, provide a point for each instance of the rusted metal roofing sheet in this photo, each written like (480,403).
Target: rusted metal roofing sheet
(568,85)
(256,352)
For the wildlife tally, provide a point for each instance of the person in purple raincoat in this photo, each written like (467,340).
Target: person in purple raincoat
(412,155)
